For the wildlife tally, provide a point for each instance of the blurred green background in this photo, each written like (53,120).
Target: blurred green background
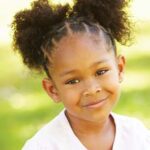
(25,107)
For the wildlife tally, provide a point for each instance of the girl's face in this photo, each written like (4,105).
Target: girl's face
(85,76)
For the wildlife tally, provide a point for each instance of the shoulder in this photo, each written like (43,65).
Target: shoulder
(131,132)
(127,122)
(47,136)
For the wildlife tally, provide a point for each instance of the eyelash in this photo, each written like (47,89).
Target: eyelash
(103,71)
(73,81)
(98,73)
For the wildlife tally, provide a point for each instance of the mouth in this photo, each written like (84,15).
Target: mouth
(96,104)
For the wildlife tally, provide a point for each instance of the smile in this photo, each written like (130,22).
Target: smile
(96,104)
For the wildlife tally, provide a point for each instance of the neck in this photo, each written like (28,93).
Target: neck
(84,127)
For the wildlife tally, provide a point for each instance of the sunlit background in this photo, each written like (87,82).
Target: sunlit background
(24,107)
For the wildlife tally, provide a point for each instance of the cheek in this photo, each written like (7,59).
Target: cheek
(69,97)
(114,88)
(111,82)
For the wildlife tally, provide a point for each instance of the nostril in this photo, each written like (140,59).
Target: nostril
(92,91)
(98,90)
(85,93)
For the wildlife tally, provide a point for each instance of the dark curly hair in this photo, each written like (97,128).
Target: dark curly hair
(35,28)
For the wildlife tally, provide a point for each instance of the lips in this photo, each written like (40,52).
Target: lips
(96,104)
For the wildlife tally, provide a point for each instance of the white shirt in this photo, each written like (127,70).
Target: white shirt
(58,135)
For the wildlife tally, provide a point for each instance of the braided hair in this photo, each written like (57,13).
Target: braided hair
(36,28)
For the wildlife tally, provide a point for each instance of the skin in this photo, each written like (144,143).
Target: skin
(86,77)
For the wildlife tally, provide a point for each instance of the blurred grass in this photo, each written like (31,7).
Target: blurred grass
(25,107)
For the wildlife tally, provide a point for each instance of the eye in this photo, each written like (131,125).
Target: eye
(101,72)
(74,81)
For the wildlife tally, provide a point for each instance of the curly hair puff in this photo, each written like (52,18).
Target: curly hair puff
(39,25)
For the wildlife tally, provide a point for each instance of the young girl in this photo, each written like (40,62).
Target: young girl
(76,46)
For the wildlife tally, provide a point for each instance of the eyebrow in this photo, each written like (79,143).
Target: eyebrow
(74,70)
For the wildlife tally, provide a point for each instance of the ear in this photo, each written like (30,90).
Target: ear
(51,90)
(121,67)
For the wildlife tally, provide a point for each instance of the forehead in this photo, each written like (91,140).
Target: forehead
(79,48)
(75,42)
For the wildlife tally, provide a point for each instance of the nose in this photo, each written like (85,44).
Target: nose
(91,87)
